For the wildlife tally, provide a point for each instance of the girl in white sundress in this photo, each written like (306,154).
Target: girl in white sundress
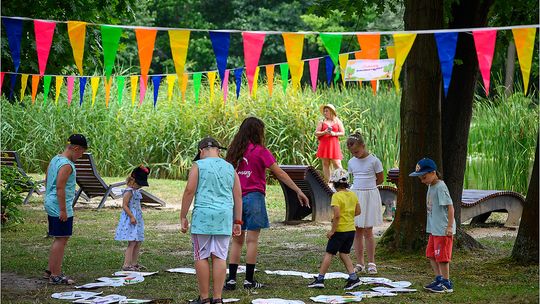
(131,225)
(367,172)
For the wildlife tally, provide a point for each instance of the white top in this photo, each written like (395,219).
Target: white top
(364,171)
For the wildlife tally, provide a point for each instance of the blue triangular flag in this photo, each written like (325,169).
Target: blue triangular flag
(14,34)
(156,80)
(238,80)
(220,44)
(82,85)
(12,86)
(446,46)
(329,69)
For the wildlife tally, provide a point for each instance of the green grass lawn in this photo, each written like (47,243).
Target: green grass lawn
(484,276)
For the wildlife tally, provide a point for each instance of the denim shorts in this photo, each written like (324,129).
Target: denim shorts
(58,228)
(254,213)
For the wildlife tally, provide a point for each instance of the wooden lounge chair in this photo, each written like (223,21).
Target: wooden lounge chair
(11,158)
(319,194)
(477,205)
(91,183)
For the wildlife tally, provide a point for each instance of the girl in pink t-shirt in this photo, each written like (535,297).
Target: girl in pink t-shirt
(251,158)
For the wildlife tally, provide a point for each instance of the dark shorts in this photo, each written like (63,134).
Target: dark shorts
(340,242)
(58,228)
(254,213)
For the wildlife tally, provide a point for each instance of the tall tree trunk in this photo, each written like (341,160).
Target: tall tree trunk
(457,107)
(420,125)
(510,69)
(526,246)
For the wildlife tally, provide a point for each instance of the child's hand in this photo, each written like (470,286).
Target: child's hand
(449,231)
(237,229)
(330,233)
(184,225)
(133,220)
(63,216)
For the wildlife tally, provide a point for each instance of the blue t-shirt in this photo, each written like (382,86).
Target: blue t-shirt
(438,199)
(213,207)
(51,199)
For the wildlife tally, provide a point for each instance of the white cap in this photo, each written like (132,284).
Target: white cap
(340,176)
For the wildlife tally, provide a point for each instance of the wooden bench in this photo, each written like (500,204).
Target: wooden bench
(319,194)
(477,205)
(11,158)
(91,183)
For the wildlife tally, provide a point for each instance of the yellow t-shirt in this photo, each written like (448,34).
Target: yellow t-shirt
(346,201)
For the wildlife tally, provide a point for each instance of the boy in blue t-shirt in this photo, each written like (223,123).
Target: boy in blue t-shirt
(216,188)
(59,193)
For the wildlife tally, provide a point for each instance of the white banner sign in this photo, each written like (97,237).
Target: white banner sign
(364,69)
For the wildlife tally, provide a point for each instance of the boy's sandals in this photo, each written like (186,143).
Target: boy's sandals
(359,268)
(60,280)
(371,268)
(203,301)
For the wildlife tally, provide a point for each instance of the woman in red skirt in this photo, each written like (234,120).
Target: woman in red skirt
(328,132)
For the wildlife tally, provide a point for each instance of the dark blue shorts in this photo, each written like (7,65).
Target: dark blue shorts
(58,228)
(340,242)
(254,213)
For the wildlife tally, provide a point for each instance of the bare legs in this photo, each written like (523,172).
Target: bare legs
(252,239)
(442,269)
(132,253)
(202,268)
(56,255)
(359,237)
(326,163)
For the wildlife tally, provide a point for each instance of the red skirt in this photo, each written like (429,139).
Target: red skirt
(329,147)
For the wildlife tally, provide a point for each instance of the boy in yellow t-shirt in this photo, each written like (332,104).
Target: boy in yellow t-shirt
(341,236)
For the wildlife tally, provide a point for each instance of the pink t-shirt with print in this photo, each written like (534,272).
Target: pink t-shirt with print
(252,168)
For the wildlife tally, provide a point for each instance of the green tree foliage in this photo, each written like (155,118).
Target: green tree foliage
(12,184)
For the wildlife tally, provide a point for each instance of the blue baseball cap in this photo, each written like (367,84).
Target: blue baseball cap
(425,165)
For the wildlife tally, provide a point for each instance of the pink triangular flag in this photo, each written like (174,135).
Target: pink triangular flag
(1,81)
(225,87)
(70,82)
(253,43)
(44,31)
(485,46)
(142,90)
(313,72)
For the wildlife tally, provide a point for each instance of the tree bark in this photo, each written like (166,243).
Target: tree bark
(457,107)
(420,114)
(526,246)
(510,69)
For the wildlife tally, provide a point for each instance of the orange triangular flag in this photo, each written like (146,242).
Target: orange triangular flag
(270,78)
(35,83)
(145,43)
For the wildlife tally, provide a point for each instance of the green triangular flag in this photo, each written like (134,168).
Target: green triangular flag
(46,88)
(332,43)
(120,87)
(284,69)
(110,37)
(197,85)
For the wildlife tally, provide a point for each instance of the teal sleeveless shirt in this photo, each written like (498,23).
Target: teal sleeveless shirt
(51,199)
(213,208)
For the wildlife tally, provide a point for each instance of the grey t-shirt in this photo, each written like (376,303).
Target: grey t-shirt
(437,199)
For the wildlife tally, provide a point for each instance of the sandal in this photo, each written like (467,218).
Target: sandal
(359,268)
(371,268)
(217,301)
(139,267)
(199,301)
(60,280)
(46,274)
(129,268)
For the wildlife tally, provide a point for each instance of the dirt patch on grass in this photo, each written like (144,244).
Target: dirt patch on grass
(15,284)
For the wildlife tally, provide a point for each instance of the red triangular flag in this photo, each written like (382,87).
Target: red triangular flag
(44,31)
(484,42)
(253,43)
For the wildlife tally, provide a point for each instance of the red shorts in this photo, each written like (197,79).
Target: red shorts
(439,248)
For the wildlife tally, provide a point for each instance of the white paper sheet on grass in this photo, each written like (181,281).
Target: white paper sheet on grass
(188,270)
(102,300)
(133,273)
(393,290)
(129,280)
(335,299)
(74,295)
(276,301)
(100,284)
(371,294)
(328,276)
(134,301)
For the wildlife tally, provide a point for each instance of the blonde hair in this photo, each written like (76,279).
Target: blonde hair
(130,181)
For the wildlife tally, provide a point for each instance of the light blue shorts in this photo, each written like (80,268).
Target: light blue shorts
(254,213)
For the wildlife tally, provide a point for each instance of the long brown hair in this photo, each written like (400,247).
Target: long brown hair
(251,131)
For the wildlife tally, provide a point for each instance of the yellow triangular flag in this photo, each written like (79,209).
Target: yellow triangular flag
(179,41)
(343,58)
(170,86)
(77,35)
(294,44)
(24,81)
(524,39)
(134,82)
(94,82)
(402,46)
(108,84)
(255,83)
(183,87)
(211,81)
(59,82)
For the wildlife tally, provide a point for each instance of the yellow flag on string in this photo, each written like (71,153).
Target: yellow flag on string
(107,84)
(524,39)
(59,82)
(402,45)
(183,86)
(255,83)
(343,58)
(179,41)
(294,44)
(170,86)
(134,81)
(24,81)
(94,82)
(211,81)
(77,35)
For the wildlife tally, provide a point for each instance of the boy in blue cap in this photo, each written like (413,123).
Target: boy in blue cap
(441,225)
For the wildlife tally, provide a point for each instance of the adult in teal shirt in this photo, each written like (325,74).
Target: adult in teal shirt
(59,193)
